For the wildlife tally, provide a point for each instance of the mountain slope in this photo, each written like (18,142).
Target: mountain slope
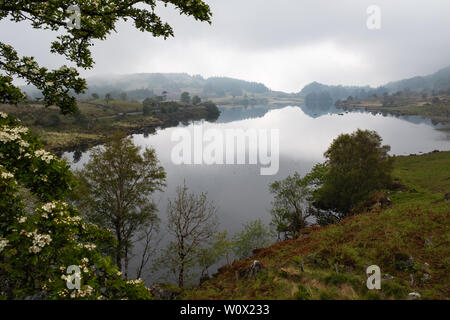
(410,242)
(174,84)
(439,80)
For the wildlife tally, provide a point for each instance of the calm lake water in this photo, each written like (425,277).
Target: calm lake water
(239,191)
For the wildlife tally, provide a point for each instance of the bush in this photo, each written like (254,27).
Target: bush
(253,236)
(212,109)
(41,237)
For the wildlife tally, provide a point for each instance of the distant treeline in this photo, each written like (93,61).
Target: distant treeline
(140,87)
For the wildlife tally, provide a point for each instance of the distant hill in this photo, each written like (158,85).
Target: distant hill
(436,81)
(139,86)
(143,85)
(336,92)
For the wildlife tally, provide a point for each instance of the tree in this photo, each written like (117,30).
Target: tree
(196,100)
(78,27)
(108,98)
(291,205)
(123,96)
(41,236)
(95,96)
(357,165)
(192,221)
(253,236)
(149,105)
(221,247)
(212,109)
(164,95)
(115,189)
(185,98)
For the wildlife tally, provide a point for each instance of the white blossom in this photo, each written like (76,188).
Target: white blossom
(3,244)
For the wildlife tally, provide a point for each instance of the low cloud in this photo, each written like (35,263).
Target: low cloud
(282,43)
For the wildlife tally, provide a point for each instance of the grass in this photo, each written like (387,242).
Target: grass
(413,106)
(409,240)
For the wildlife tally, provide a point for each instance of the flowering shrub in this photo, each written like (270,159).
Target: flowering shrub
(41,235)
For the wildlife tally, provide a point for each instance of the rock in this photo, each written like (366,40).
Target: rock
(426,268)
(388,277)
(38,296)
(163,292)
(254,269)
(379,201)
(414,295)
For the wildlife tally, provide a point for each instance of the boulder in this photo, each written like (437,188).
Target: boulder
(414,295)
(254,269)
(42,295)
(426,277)
(387,277)
(163,292)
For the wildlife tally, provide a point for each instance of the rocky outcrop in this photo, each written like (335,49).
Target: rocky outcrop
(251,272)
(163,292)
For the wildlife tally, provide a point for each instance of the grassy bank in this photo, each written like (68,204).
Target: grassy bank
(96,120)
(435,108)
(409,241)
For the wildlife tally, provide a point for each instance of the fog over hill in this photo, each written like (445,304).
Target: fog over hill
(139,86)
(439,80)
(174,83)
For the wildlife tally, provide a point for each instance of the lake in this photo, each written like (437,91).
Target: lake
(239,191)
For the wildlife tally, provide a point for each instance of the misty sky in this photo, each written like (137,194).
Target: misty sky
(283,43)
